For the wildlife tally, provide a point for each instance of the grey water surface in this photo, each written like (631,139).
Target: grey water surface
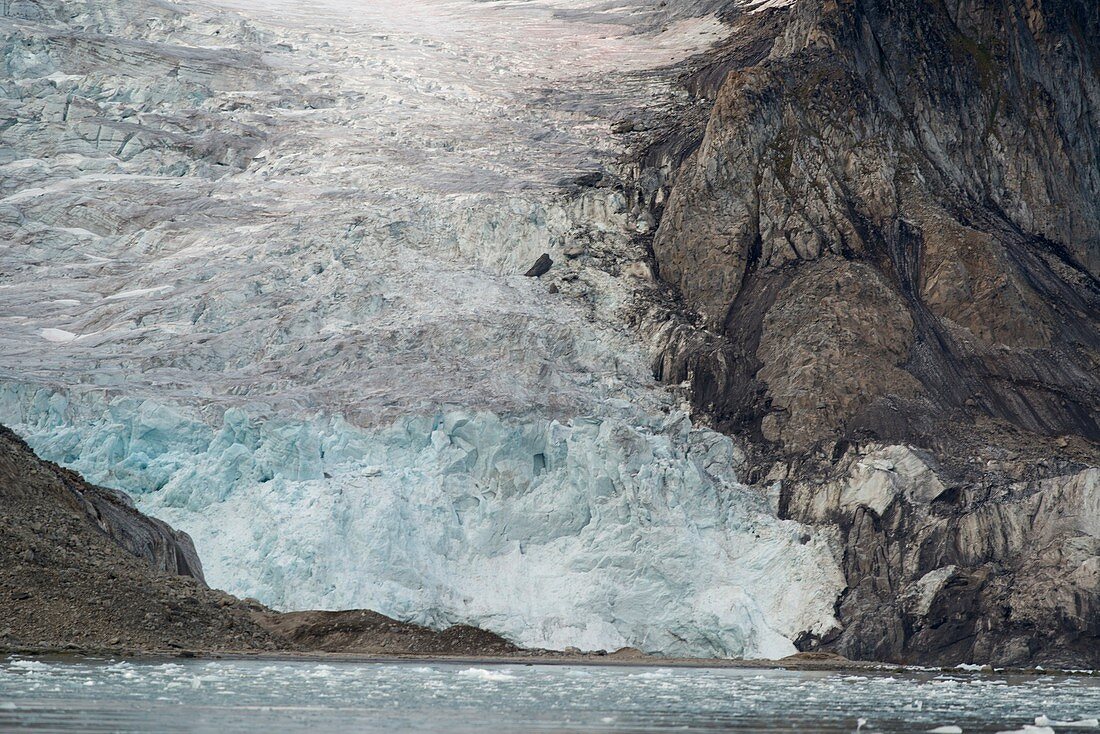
(274,696)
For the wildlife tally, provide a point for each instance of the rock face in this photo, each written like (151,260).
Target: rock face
(541,267)
(367,632)
(887,234)
(946,573)
(24,478)
(894,216)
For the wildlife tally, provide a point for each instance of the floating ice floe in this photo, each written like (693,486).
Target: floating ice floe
(1090,723)
(487,675)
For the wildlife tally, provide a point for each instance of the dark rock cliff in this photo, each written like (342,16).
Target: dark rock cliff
(886,234)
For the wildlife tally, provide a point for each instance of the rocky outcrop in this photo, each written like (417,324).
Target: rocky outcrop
(367,632)
(884,244)
(80,567)
(941,572)
(541,267)
(24,478)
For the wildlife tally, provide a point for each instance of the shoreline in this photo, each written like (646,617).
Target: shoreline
(795,663)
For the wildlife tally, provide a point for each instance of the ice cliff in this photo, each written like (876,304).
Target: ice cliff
(264,276)
(599,533)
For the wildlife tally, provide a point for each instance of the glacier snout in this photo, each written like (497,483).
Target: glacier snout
(597,533)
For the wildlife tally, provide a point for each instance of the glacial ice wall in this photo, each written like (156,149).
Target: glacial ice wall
(597,533)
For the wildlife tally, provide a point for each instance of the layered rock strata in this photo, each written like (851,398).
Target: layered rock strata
(884,239)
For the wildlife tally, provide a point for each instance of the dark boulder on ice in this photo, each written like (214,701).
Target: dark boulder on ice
(541,266)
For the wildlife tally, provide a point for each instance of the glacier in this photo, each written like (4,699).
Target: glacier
(263,273)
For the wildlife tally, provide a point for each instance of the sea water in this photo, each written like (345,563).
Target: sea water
(91,695)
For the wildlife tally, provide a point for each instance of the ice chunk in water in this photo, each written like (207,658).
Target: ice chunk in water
(489,675)
(1078,724)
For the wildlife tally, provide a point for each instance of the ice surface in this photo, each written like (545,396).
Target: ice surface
(1076,723)
(264,274)
(487,675)
(57,336)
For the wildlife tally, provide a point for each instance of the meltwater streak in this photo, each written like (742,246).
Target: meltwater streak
(342,697)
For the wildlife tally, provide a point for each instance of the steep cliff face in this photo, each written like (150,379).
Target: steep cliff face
(940,572)
(886,240)
(894,217)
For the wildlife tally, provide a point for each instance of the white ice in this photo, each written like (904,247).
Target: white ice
(1092,723)
(57,336)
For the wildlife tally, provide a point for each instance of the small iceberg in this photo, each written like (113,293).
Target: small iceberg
(1078,724)
(483,674)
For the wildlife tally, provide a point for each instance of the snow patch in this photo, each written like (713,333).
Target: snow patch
(57,336)
(756,6)
(137,293)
